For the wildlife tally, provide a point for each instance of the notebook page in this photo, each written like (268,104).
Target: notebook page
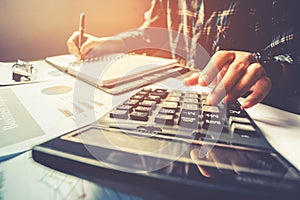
(118,67)
(61,62)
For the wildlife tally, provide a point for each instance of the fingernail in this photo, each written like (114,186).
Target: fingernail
(186,82)
(202,81)
(211,99)
(227,99)
(246,104)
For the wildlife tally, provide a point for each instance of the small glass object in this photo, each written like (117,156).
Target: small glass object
(22,69)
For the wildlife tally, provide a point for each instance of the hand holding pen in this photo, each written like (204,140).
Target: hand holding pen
(82,44)
(76,43)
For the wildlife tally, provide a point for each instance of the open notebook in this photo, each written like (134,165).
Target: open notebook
(118,73)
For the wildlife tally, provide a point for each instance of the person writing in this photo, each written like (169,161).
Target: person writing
(253,45)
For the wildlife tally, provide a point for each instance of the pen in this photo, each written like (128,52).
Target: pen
(81,29)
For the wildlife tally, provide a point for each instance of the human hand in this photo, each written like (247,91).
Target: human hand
(231,74)
(94,46)
(89,42)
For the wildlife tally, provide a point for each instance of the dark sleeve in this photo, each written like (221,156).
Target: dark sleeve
(284,43)
(281,56)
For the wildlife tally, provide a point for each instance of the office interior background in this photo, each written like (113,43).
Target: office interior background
(34,29)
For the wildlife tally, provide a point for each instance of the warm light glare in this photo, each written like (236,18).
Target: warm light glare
(32,29)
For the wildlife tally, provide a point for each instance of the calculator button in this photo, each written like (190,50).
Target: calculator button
(242,120)
(139,116)
(211,116)
(191,95)
(125,107)
(175,93)
(167,111)
(204,95)
(210,109)
(153,98)
(138,97)
(189,119)
(133,102)
(169,105)
(147,103)
(244,130)
(164,119)
(120,114)
(143,109)
(189,107)
(212,124)
(190,100)
(204,102)
(160,92)
(173,99)
(237,113)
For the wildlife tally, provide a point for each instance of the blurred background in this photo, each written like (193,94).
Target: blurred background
(35,29)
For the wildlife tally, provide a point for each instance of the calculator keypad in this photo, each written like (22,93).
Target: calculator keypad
(179,113)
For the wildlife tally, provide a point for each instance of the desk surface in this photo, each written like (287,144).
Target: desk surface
(281,129)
